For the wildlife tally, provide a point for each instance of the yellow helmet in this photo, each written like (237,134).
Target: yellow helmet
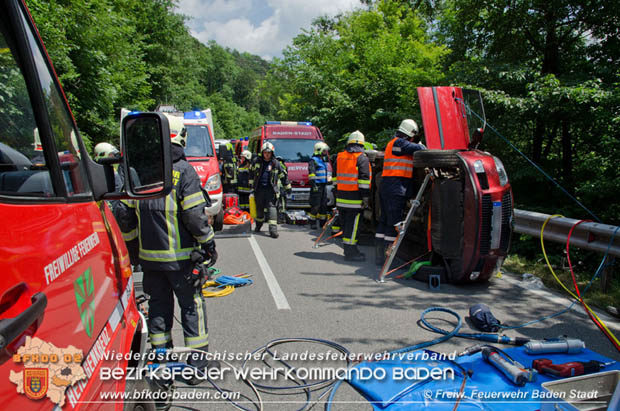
(178,132)
(356,137)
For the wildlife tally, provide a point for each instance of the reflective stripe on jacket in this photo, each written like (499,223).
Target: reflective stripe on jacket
(170,227)
(317,170)
(353,175)
(396,164)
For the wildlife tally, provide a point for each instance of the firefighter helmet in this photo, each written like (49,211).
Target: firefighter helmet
(178,132)
(246,154)
(103,150)
(356,137)
(321,147)
(408,127)
(267,146)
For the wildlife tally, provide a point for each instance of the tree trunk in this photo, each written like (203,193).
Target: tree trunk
(537,141)
(567,156)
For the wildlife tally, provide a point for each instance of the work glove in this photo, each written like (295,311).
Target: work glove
(365,203)
(288,191)
(209,252)
(198,276)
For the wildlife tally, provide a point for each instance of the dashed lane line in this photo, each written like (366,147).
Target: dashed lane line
(272,283)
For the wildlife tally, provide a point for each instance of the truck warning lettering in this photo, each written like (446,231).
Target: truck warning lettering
(61,264)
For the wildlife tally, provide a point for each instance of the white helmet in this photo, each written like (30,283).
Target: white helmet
(267,146)
(178,132)
(408,127)
(356,137)
(246,154)
(103,150)
(321,147)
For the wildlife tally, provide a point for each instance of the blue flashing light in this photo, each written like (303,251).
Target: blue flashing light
(304,123)
(246,138)
(272,122)
(194,115)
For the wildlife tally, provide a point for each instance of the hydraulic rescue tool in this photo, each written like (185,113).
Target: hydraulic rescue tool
(568,369)
(515,372)
(401,228)
(555,345)
(328,225)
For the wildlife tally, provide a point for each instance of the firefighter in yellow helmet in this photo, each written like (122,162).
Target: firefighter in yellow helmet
(265,173)
(175,238)
(244,189)
(352,178)
(320,178)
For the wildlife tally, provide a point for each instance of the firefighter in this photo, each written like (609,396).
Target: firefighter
(396,185)
(352,178)
(319,179)
(174,237)
(107,150)
(229,168)
(243,180)
(265,173)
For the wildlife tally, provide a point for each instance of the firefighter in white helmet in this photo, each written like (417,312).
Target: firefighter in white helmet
(244,189)
(319,177)
(352,178)
(396,184)
(175,242)
(265,173)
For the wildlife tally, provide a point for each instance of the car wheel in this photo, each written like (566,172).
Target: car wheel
(436,158)
(218,222)
(141,386)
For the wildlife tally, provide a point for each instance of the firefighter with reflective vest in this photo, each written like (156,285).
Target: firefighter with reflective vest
(265,173)
(175,240)
(229,168)
(319,177)
(243,180)
(352,178)
(396,185)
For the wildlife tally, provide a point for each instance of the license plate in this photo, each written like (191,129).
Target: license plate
(300,197)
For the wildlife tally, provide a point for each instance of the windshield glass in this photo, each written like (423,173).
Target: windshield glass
(294,150)
(474,110)
(198,142)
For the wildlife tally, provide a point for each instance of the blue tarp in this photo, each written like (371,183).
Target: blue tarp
(486,389)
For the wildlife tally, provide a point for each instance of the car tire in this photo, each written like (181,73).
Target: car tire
(218,221)
(436,158)
(139,385)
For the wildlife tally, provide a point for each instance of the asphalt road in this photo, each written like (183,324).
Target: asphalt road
(300,292)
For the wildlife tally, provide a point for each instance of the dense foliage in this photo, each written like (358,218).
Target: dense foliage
(548,71)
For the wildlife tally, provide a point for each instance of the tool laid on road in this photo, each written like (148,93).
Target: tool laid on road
(401,229)
(555,345)
(515,372)
(328,225)
(568,369)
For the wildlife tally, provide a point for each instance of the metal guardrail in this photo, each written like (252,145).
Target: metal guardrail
(588,236)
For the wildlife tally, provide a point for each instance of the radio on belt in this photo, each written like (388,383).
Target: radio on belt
(555,345)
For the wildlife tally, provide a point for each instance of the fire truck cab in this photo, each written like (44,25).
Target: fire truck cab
(66,282)
(294,144)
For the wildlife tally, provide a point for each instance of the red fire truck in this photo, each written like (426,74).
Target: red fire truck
(66,293)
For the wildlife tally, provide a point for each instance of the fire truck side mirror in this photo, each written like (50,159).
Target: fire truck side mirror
(146,166)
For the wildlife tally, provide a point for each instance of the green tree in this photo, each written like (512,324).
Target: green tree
(357,71)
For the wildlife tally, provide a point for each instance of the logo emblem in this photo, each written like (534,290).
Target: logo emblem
(35,382)
(84,288)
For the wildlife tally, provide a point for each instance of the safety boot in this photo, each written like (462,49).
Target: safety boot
(379,253)
(258,227)
(273,231)
(351,253)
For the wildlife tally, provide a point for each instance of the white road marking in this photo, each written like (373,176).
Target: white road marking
(272,283)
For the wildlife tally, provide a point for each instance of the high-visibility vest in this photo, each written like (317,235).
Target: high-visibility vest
(347,171)
(320,170)
(397,166)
